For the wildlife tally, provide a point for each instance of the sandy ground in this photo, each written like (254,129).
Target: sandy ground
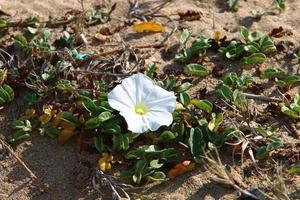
(66,173)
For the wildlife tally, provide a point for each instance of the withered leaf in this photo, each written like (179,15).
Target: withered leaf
(190,15)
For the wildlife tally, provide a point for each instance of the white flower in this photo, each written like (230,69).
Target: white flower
(144,105)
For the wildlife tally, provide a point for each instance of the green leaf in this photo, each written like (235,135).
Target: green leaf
(32,30)
(255,58)
(225,92)
(272,73)
(122,141)
(49,130)
(150,70)
(196,141)
(184,87)
(155,164)
(244,32)
(4,95)
(233,5)
(104,116)
(111,129)
(215,122)
(20,39)
(185,36)
(166,136)
(157,176)
(196,70)
(139,169)
(203,104)
(16,136)
(170,82)
(184,98)
(68,117)
(261,153)
(98,142)
(294,169)
(3,23)
(280,4)
(10,91)
(97,121)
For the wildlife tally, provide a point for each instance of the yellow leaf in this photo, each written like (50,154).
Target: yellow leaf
(217,35)
(104,163)
(151,26)
(29,113)
(179,107)
(46,117)
(67,126)
(57,119)
(65,135)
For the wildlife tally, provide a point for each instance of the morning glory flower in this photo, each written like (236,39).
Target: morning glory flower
(144,105)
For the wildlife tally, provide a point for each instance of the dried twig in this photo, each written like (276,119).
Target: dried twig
(261,97)
(11,151)
(106,179)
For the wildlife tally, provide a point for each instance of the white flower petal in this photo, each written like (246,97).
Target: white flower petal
(161,99)
(136,123)
(143,87)
(119,99)
(157,119)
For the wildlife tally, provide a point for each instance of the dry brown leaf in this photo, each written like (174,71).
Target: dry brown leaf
(151,26)
(189,15)
(100,37)
(181,168)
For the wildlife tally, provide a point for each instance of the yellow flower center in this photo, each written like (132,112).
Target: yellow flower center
(140,109)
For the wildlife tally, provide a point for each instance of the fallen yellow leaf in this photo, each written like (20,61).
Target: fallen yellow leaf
(67,126)
(104,163)
(57,119)
(65,135)
(46,117)
(29,113)
(151,26)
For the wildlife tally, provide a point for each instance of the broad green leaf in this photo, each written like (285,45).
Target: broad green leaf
(32,30)
(196,142)
(233,5)
(3,23)
(203,104)
(155,164)
(16,136)
(225,92)
(270,73)
(261,153)
(98,143)
(294,169)
(255,58)
(166,136)
(196,70)
(21,40)
(243,31)
(157,176)
(185,36)
(184,98)
(150,70)
(139,169)
(184,87)
(68,117)
(170,82)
